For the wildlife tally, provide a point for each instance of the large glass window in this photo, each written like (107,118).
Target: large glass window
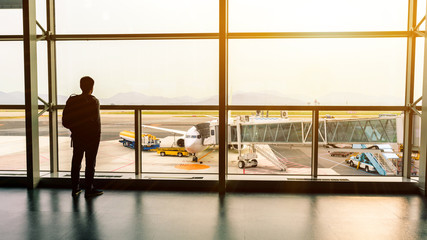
(317,16)
(317,71)
(173,72)
(182,137)
(262,71)
(366,143)
(135,16)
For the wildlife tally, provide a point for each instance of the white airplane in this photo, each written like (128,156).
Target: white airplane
(196,139)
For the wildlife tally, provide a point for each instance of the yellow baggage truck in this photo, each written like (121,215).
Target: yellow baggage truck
(172,151)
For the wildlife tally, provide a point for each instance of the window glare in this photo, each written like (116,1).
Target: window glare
(317,71)
(136,16)
(314,15)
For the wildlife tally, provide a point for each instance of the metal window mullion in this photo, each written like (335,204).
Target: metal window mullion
(409,90)
(31,100)
(239,107)
(138,150)
(315,144)
(235,35)
(423,145)
(223,96)
(52,84)
(367,34)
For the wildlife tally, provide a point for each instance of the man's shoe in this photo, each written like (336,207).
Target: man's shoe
(93,193)
(76,193)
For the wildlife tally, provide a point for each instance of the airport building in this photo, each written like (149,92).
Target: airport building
(220,96)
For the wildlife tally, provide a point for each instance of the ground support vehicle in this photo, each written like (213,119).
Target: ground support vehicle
(172,151)
(369,163)
(148,141)
(247,160)
(362,162)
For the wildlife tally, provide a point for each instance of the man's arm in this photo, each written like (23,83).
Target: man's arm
(97,115)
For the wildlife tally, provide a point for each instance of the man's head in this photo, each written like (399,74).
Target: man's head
(86,84)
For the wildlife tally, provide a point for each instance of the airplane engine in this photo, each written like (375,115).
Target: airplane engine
(180,142)
(236,147)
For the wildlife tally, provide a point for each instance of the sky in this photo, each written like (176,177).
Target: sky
(332,71)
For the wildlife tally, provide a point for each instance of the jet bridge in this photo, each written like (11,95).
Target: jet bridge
(245,131)
(331,131)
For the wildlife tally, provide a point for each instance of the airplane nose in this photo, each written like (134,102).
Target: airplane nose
(189,146)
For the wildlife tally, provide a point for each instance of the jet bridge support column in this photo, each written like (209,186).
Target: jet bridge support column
(314,143)
(138,153)
(239,137)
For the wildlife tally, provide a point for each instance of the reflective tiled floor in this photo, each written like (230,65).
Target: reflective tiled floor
(53,214)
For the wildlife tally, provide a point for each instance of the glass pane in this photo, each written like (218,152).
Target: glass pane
(421,12)
(136,16)
(270,142)
(12,139)
(42,74)
(112,156)
(41,15)
(419,66)
(44,144)
(11,20)
(416,142)
(361,143)
(11,73)
(182,135)
(141,72)
(317,16)
(317,71)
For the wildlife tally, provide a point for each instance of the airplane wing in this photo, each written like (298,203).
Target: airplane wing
(166,129)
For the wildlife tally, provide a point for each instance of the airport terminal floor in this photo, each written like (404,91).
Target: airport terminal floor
(54,214)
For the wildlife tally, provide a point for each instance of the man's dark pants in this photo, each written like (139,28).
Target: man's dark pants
(90,149)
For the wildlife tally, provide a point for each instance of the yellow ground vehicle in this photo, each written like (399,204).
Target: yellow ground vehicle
(172,151)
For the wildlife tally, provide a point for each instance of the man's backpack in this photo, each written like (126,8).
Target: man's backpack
(81,115)
(69,116)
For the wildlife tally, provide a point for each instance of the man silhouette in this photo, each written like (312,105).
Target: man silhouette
(81,115)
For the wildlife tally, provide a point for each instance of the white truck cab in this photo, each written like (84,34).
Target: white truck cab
(361,163)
